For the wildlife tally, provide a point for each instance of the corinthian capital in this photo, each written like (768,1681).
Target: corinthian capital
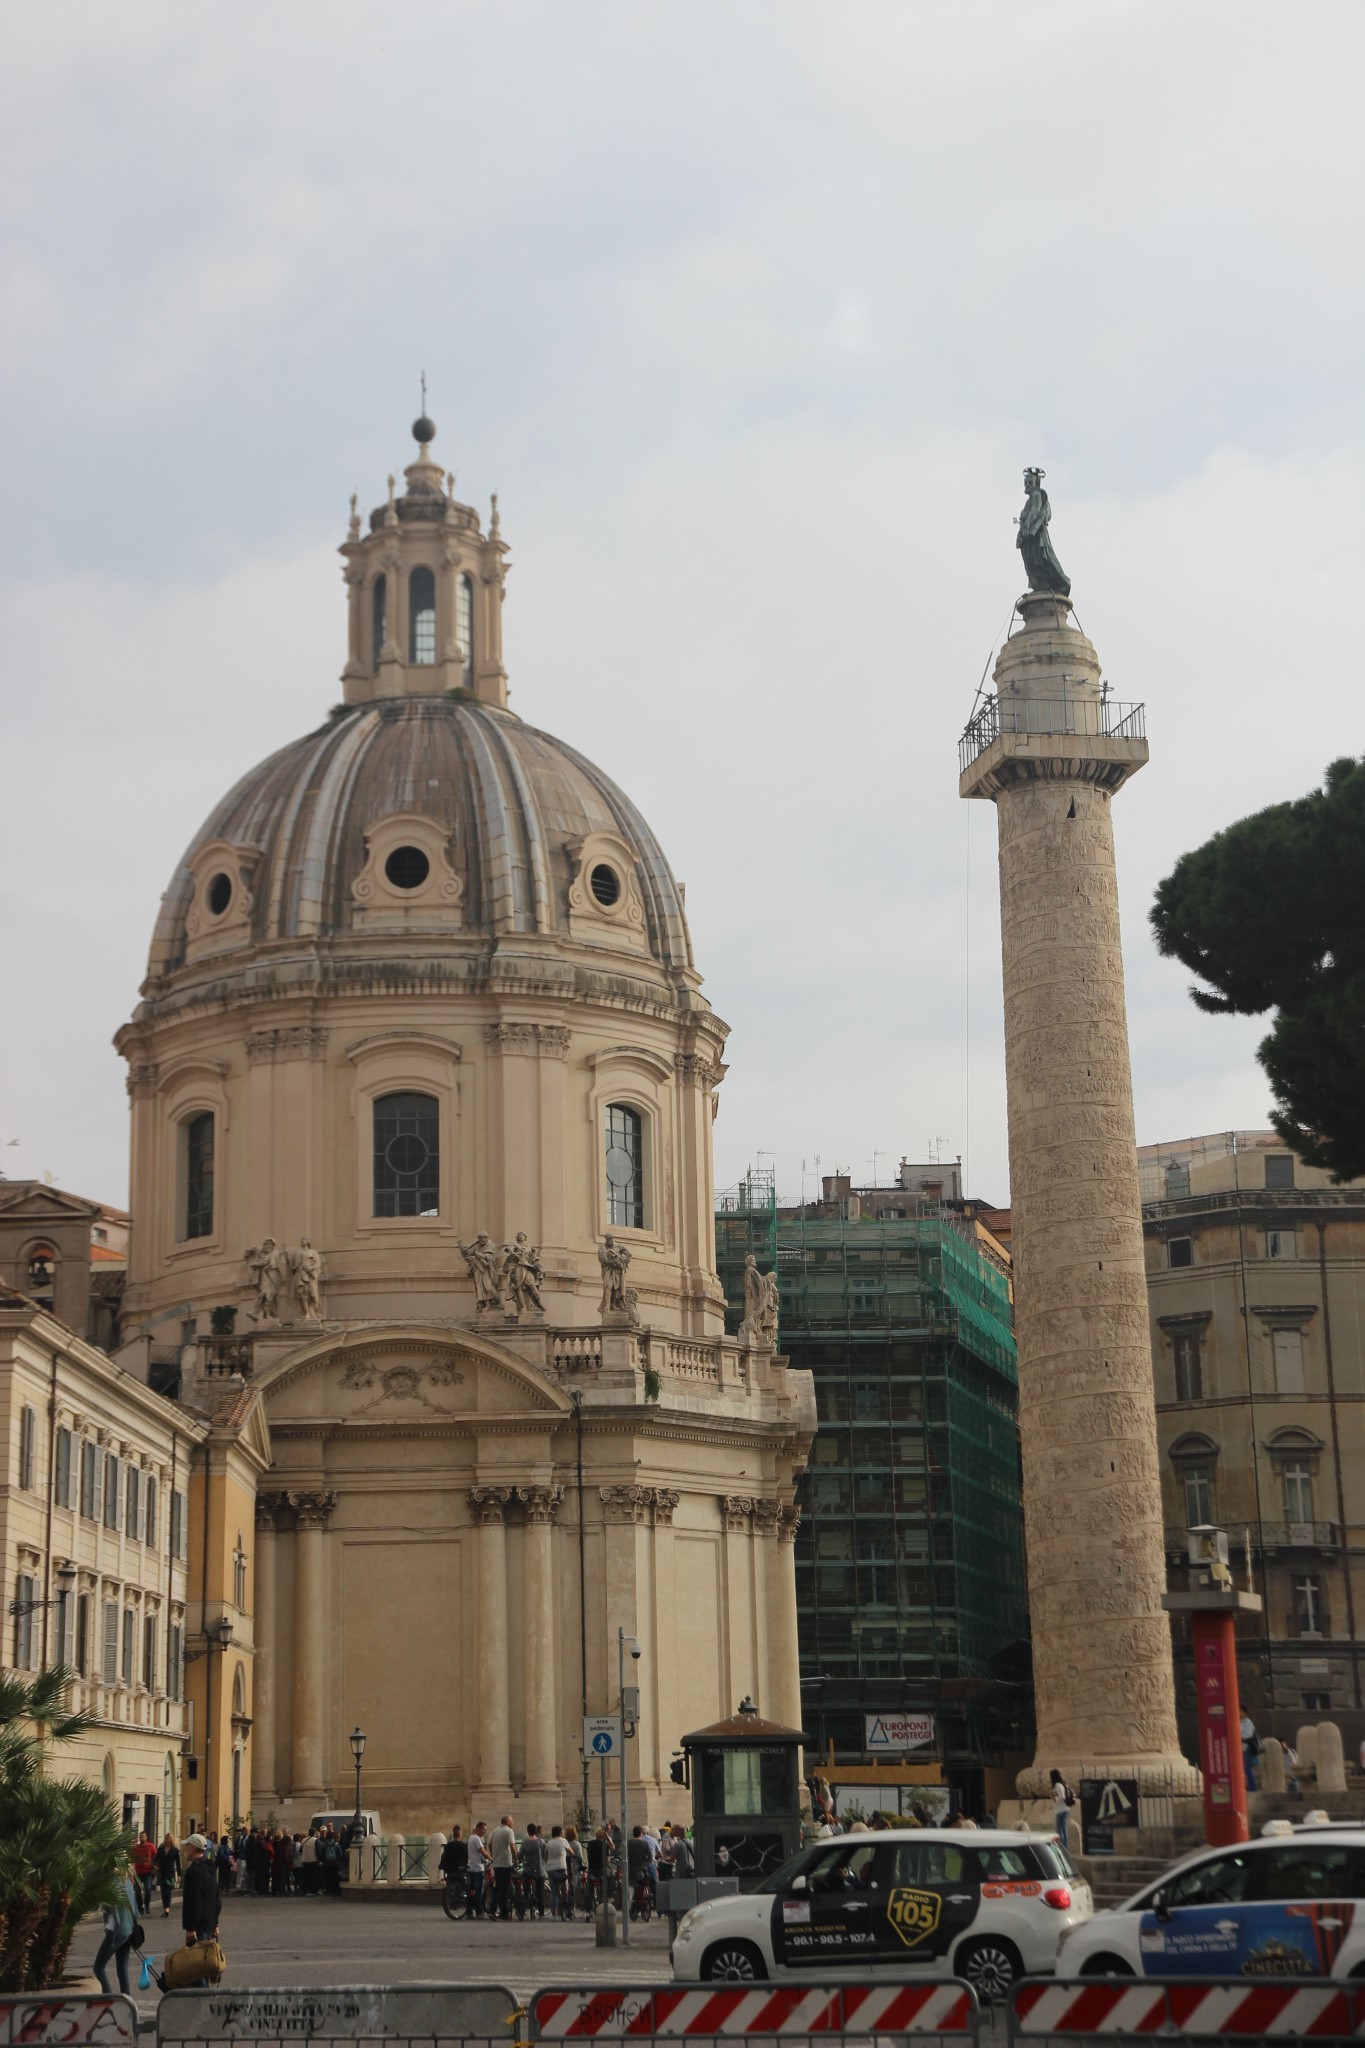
(540,1502)
(486,1504)
(625,1503)
(738,1508)
(312,1509)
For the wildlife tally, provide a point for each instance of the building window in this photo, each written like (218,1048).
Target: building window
(1298,1493)
(422,617)
(65,1468)
(178,1532)
(61,1646)
(379,621)
(464,626)
(407,1155)
(129,1644)
(1198,1497)
(1180,1251)
(625,1167)
(1177,1183)
(83,1634)
(132,1523)
(1282,1244)
(42,1275)
(239,1576)
(1189,1375)
(110,1667)
(175,1661)
(198,1143)
(25,1591)
(1287,1346)
(111,1491)
(90,1481)
(1309,1614)
(149,1652)
(28,1438)
(1317,1702)
(151,1511)
(1279,1169)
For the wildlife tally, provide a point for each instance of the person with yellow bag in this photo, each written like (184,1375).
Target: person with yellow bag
(201,1960)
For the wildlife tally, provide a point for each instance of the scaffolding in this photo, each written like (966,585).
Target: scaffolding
(910,1565)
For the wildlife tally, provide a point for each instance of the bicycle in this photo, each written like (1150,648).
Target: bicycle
(642,1899)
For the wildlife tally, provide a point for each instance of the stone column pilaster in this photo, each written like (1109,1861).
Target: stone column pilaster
(737,1510)
(312,1679)
(542,1692)
(663,1646)
(264,1760)
(487,1505)
(784,1657)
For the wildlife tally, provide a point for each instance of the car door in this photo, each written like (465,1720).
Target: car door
(1301,1907)
(931,1895)
(828,1913)
(1198,1930)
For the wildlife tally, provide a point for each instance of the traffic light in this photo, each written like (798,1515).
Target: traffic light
(677,1770)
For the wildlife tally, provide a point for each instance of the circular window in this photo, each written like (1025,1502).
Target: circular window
(407,1153)
(605,884)
(620,1166)
(407,867)
(220,894)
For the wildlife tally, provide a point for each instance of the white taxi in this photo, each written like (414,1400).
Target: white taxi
(986,1905)
(1281,1906)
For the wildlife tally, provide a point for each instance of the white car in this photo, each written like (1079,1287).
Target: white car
(982,1904)
(1278,1906)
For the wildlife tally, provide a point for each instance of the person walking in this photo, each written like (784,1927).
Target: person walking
(120,1924)
(1063,1799)
(454,1864)
(557,1870)
(167,1872)
(200,1901)
(502,1852)
(144,1870)
(578,1864)
(534,1868)
(476,1892)
(1251,1749)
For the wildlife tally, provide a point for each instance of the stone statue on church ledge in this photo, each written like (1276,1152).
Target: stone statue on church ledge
(523,1276)
(1041,566)
(268,1266)
(617,1298)
(482,1259)
(306,1266)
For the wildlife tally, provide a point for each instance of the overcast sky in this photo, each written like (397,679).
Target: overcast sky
(753,313)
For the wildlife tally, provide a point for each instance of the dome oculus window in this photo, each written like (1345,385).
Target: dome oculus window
(219,894)
(379,616)
(422,618)
(605,884)
(464,626)
(407,867)
(407,1155)
(197,1215)
(625,1167)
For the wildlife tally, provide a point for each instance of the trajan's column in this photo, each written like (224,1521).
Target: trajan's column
(1051,750)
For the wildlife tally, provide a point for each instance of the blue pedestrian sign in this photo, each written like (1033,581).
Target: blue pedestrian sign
(602,1735)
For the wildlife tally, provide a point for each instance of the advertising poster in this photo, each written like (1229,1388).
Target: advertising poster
(1284,1940)
(1109,1807)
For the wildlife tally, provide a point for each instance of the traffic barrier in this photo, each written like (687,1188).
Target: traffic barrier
(429,2016)
(1212,2008)
(725,2012)
(108,2019)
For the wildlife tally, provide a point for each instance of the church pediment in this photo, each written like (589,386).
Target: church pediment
(404,1375)
(27,1203)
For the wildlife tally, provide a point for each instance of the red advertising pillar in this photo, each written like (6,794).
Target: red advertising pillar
(1220,1727)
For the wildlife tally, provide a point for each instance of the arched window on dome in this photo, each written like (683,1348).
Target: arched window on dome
(422,617)
(197,1138)
(464,626)
(625,1166)
(379,615)
(407,1155)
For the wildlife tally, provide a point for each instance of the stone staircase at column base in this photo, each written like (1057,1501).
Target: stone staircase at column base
(1112,1879)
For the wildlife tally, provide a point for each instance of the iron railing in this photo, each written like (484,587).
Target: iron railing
(1060,717)
(1264,1536)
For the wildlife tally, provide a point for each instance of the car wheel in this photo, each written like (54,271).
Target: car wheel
(732,1962)
(1106,1966)
(990,1966)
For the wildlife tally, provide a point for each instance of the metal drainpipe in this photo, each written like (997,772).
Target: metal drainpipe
(51,1493)
(577,1398)
(1320,1226)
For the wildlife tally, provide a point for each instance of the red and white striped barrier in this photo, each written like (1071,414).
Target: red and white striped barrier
(77,2017)
(1266,2008)
(727,2012)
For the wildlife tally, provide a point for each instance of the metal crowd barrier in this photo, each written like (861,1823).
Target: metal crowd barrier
(724,2013)
(420,2016)
(108,2019)
(1043,2009)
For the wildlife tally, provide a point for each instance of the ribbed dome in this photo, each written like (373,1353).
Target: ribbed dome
(512,799)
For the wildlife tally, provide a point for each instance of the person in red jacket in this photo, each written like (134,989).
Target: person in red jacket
(144,1869)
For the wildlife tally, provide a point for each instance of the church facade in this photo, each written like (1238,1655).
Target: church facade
(422,1086)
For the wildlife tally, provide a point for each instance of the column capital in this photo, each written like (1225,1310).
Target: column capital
(268,1506)
(767,1517)
(789,1523)
(313,1509)
(666,1498)
(487,1503)
(621,1504)
(540,1502)
(738,1509)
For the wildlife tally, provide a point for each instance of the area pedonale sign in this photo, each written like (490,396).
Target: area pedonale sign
(891,1734)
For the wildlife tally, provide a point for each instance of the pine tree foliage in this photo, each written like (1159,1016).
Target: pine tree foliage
(1270,914)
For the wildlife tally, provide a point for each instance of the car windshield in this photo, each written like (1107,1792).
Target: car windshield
(780,1879)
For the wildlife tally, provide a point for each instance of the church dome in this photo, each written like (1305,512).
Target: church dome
(422,816)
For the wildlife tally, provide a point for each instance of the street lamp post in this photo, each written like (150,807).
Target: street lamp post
(357,1751)
(622,1639)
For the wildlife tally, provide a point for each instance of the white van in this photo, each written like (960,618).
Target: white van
(369,1820)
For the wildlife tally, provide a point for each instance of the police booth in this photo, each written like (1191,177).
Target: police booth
(745,1777)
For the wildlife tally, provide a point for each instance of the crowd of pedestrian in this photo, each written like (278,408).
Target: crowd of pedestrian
(555,1875)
